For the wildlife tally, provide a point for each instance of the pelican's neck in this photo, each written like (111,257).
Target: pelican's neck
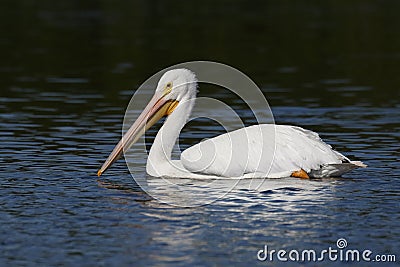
(161,150)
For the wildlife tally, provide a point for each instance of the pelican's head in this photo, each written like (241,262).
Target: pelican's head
(177,84)
(174,86)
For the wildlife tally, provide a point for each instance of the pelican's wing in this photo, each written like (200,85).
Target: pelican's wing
(271,150)
(298,148)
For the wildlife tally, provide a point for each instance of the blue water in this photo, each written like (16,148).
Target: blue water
(55,211)
(68,72)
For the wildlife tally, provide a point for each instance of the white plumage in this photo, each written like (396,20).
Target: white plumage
(289,149)
(257,151)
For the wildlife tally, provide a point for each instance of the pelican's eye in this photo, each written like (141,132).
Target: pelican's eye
(168,87)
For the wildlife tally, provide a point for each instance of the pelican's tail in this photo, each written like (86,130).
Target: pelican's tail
(336,169)
(359,164)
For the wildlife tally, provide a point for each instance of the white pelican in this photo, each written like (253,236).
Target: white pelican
(250,152)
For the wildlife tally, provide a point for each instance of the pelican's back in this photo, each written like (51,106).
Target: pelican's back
(267,150)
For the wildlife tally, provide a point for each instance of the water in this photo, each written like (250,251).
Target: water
(69,68)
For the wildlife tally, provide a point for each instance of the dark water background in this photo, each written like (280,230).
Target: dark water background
(69,68)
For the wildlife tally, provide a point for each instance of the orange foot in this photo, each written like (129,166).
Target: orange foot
(300,174)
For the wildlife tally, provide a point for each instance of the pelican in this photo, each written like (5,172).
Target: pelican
(258,151)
